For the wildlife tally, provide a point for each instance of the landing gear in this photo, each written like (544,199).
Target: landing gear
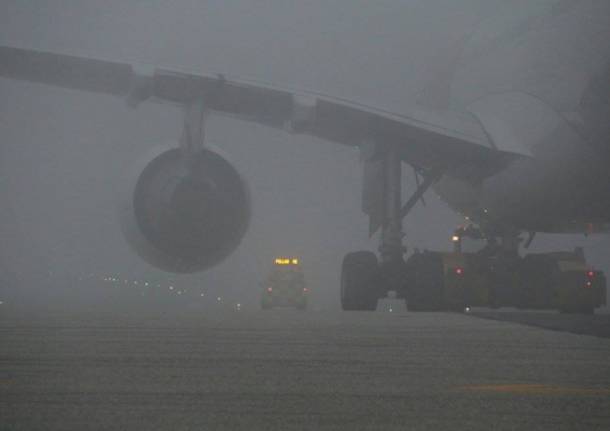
(359,281)
(493,276)
(364,279)
(539,277)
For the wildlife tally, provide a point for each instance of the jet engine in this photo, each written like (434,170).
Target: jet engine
(184,215)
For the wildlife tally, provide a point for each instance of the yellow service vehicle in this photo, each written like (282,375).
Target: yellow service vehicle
(285,285)
(471,276)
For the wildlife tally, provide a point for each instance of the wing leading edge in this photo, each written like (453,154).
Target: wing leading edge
(426,138)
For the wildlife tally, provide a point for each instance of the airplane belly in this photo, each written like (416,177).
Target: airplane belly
(558,181)
(559,193)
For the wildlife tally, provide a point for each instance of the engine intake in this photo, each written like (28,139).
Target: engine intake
(186,219)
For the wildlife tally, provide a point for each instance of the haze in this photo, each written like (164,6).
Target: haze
(64,154)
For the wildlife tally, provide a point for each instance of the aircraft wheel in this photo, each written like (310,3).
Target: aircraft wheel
(358,277)
(539,279)
(426,282)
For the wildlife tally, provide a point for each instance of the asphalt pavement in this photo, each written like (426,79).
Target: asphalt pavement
(597,324)
(284,369)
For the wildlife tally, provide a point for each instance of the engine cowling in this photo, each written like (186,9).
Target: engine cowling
(185,219)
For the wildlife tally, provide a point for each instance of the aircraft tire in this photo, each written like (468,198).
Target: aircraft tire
(426,282)
(539,278)
(358,276)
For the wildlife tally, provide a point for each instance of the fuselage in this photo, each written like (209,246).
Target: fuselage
(562,184)
(559,177)
(543,97)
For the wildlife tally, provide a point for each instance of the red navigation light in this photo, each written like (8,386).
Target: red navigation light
(459,271)
(590,274)
(270,289)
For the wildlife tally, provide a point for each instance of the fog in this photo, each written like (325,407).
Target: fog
(65,154)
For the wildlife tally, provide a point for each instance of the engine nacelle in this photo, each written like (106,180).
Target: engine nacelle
(181,219)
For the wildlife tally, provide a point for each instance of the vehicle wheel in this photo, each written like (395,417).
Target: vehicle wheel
(359,273)
(425,282)
(539,279)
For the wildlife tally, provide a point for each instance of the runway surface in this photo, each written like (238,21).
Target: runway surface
(597,325)
(283,370)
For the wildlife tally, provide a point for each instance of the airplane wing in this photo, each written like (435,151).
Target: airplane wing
(427,139)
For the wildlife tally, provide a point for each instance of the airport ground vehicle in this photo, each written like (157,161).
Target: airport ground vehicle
(481,272)
(285,285)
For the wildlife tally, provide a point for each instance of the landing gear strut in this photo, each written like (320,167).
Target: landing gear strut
(494,276)
(364,279)
(425,282)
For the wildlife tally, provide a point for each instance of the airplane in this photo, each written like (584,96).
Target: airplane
(512,159)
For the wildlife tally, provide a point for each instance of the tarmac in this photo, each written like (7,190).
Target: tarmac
(597,325)
(287,370)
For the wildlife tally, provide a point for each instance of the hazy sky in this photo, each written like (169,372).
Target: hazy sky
(64,153)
